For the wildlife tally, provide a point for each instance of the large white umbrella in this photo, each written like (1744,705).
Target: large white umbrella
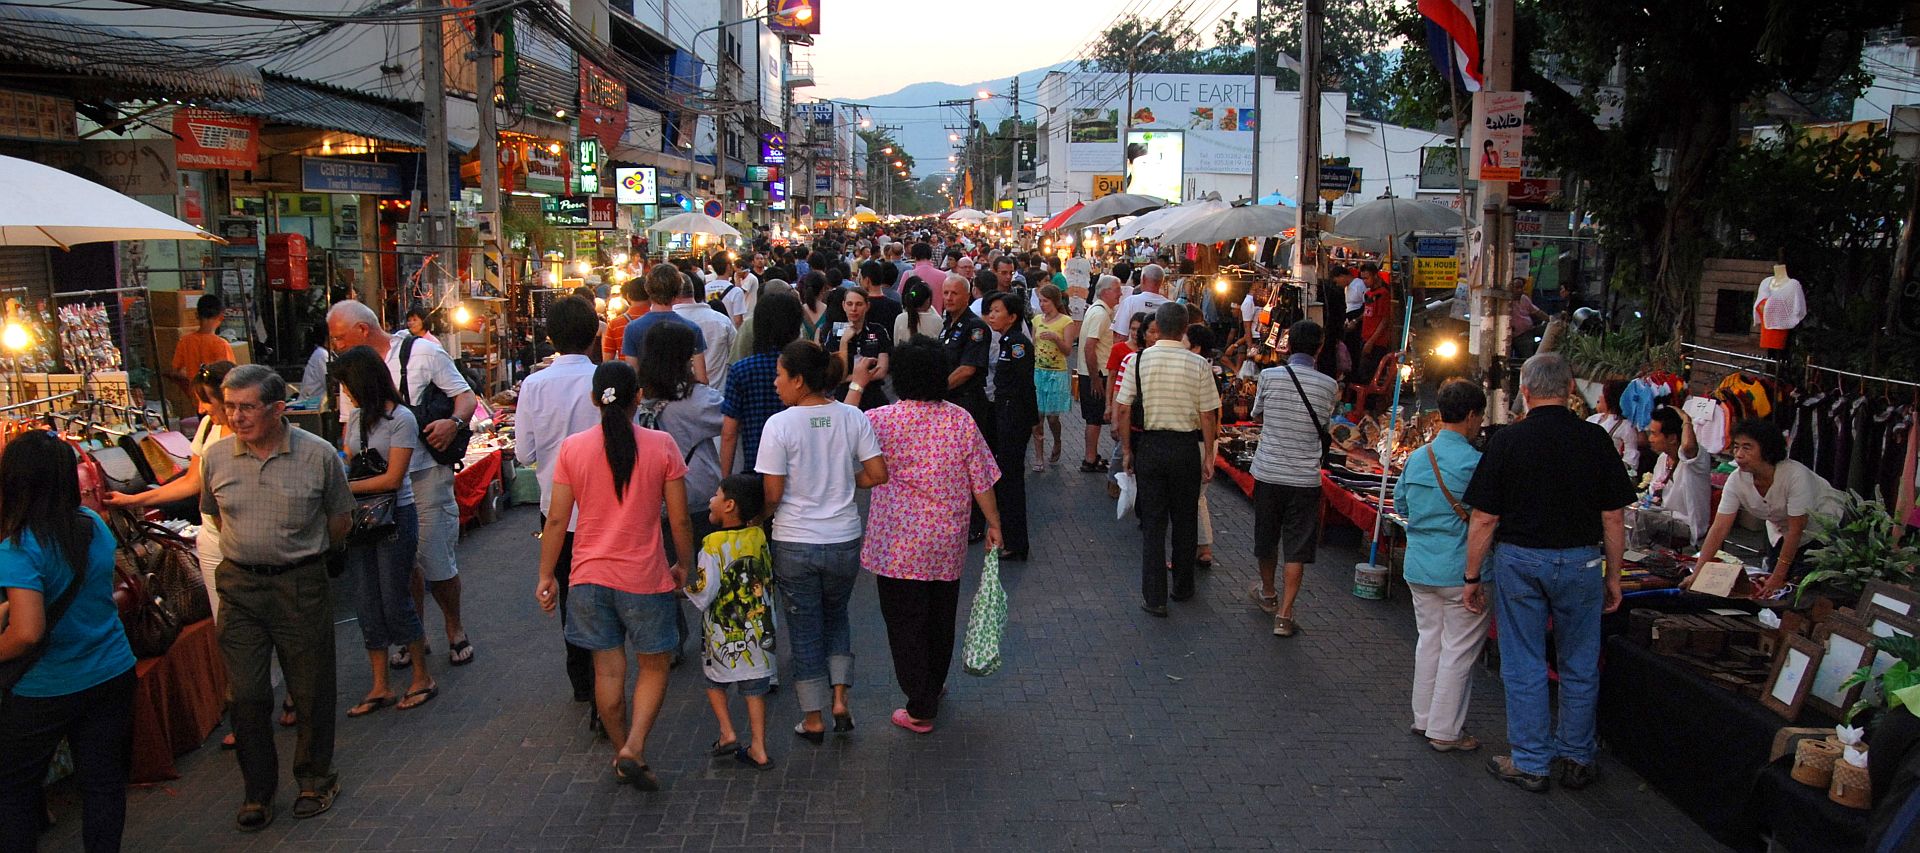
(1110,207)
(967,214)
(47,207)
(694,223)
(864,213)
(1156,222)
(1233,223)
(1380,222)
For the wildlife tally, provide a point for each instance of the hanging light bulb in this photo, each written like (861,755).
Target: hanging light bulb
(1447,349)
(461,316)
(15,337)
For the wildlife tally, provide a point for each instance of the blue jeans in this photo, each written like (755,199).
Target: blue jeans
(1531,585)
(382,575)
(817,582)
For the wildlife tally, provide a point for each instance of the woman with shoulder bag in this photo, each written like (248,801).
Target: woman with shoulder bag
(381,437)
(66,671)
(673,401)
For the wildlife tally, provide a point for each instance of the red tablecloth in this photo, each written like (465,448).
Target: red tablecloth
(1240,478)
(470,483)
(1356,509)
(177,700)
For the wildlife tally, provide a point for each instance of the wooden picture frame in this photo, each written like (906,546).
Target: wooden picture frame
(1846,648)
(1894,598)
(1882,622)
(1788,683)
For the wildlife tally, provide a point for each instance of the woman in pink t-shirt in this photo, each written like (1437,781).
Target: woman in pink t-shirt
(621,590)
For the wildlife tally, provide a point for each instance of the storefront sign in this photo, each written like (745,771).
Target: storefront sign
(1215,111)
(1106,185)
(134,167)
(565,211)
(1503,125)
(777,192)
(1436,272)
(635,185)
(794,17)
(545,167)
(820,112)
(1441,167)
(773,149)
(1436,247)
(329,175)
(823,183)
(603,105)
(586,166)
(215,140)
(762,174)
(42,117)
(242,233)
(602,213)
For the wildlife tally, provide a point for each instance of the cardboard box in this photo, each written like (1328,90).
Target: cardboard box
(242,352)
(174,307)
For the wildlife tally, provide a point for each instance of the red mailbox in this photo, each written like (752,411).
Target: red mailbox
(287,261)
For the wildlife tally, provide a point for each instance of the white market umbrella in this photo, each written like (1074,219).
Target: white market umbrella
(47,207)
(694,223)
(1232,223)
(1110,207)
(1155,223)
(967,214)
(1382,221)
(864,213)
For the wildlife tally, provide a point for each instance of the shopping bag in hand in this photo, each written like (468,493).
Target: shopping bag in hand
(980,654)
(1128,489)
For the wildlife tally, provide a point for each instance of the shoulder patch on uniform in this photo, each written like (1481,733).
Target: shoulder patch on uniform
(1019,350)
(979,334)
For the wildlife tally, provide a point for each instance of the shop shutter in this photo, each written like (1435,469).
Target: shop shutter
(25,267)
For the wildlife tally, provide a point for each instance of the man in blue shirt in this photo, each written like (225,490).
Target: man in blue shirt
(663,284)
(1428,494)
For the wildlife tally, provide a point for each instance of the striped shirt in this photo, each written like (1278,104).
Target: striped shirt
(1289,452)
(1178,386)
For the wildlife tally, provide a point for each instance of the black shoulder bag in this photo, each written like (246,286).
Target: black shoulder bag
(433,405)
(1326,439)
(12,671)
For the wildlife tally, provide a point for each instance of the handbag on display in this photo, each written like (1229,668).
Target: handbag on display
(167,455)
(151,627)
(93,483)
(173,566)
(118,467)
(980,655)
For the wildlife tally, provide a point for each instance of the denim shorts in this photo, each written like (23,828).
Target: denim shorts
(602,619)
(751,687)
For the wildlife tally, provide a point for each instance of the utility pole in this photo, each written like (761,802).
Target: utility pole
(1258,114)
(1013,175)
(720,117)
(1306,249)
(492,242)
(1494,342)
(433,101)
(974,140)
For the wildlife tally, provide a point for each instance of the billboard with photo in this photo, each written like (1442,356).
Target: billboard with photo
(1217,113)
(1156,163)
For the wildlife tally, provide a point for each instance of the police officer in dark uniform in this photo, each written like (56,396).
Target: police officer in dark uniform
(1015,412)
(966,339)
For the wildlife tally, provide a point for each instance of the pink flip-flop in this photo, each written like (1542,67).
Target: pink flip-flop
(906,721)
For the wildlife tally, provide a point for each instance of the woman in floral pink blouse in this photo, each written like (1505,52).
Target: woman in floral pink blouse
(916,543)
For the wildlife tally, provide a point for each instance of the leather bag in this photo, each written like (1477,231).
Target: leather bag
(372,513)
(93,483)
(118,467)
(433,405)
(174,567)
(167,455)
(151,628)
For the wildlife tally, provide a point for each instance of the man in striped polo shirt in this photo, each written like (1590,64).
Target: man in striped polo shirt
(1294,404)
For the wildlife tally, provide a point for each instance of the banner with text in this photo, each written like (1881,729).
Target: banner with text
(1217,113)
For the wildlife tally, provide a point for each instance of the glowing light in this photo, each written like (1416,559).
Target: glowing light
(461,316)
(983,94)
(887,150)
(803,14)
(560,114)
(1220,285)
(581,268)
(1447,349)
(953,137)
(616,304)
(553,148)
(16,337)
(1406,372)
(620,258)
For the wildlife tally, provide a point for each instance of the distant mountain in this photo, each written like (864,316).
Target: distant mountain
(924,129)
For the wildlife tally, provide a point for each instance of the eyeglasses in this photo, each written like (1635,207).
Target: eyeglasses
(248,409)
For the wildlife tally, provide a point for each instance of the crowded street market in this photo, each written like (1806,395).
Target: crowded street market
(1474,419)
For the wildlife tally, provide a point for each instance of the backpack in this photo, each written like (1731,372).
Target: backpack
(433,405)
(719,303)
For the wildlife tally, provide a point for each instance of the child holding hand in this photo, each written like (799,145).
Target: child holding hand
(731,588)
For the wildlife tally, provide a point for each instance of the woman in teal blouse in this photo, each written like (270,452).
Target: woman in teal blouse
(1428,495)
(81,687)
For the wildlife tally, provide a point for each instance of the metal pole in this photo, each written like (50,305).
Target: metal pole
(1126,124)
(720,118)
(1307,245)
(433,101)
(1258,113)
(1496,218)
(1013,175)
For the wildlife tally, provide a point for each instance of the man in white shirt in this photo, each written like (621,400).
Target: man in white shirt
(730,287)
(556,402)
(351,324)
(1683,476)
(718,330)
(1153,277)
(1096,340)
(1354,288)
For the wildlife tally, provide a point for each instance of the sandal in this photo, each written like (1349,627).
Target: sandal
(253,817)
(746,758)
(843,722)
(906,721)
(1039,468)
(229,742)
(1268,603)
(722,749)
(461,653)
(400,658)
(314,803)
(288,719)
(630,772)
(370,705)
(1285,627)
(812,737)
(426,695)
(1463,743)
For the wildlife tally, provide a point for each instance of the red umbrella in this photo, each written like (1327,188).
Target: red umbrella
(1054,223)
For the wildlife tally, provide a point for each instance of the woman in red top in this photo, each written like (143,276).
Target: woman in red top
(621,591)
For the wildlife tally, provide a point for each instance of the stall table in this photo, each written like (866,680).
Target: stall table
(470,483)
(1801,817)
(177,700)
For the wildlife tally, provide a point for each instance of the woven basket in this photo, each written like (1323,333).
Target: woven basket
(1851,786)
(1813,762)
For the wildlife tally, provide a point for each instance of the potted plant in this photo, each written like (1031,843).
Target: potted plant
(1856,548)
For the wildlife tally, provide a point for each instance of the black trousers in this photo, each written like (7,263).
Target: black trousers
(289,616)
(98,723)
(920,621)
(1166,466)
(1010,491)
(579,660)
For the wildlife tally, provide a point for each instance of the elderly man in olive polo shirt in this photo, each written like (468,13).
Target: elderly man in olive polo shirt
(281,497)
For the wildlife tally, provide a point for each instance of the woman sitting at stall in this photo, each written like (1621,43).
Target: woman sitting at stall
(1784,493)
(1620,431)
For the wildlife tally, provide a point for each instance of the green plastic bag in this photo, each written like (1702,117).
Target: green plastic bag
(980,655)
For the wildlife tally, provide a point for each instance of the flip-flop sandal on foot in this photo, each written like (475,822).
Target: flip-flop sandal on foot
(460,654)
(426,695)
(722,749)
(370,705)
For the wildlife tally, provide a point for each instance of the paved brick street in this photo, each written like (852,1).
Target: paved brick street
(1106,729)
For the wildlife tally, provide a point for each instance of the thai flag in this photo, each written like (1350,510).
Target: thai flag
(1454,40)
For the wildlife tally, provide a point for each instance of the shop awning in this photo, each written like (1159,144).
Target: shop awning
(289,101)
(149,66)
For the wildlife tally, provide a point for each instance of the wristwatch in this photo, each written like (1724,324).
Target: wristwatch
(1471,581)
(855,386)
(459,423)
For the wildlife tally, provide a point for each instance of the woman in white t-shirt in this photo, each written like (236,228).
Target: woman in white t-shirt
(1626,439)
(1794,502)
(814,455)
(1683,474)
